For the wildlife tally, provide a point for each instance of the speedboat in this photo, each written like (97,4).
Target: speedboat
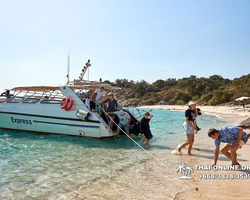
(57,110)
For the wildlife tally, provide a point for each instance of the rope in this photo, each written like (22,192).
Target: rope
(133,140)
(107,116)
(161,163)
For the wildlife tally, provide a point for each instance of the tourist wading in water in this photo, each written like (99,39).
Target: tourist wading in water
(145,128)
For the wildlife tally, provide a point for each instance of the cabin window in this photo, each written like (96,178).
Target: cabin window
(31,100)
(51,101)
(15,100)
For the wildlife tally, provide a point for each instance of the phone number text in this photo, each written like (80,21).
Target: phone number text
(224,176)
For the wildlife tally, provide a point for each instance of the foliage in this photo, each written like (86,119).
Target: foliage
(207,91)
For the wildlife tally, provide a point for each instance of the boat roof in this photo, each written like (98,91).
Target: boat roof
(92,85)
(36,88)
(73,85)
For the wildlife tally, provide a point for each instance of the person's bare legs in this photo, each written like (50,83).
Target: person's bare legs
(143,138)
(147,141)
(111,122)
(189,141)
(183,145)
(128,135)
(232,156)
(118,133)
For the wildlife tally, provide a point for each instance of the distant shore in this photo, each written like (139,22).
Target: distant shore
(220,111)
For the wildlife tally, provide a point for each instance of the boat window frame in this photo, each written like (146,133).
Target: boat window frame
(10,100)
(49,101)
(31,98)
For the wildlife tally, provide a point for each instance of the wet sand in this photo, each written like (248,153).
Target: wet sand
(234,185)
(157,177)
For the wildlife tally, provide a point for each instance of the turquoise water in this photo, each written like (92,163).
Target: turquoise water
(34,166)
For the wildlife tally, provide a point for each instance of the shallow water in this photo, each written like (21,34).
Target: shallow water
(34,166)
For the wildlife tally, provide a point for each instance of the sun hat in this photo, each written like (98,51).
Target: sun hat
(121,112)
(191,103)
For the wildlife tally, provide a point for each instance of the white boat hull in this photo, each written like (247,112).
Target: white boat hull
(51,119)
(52,125)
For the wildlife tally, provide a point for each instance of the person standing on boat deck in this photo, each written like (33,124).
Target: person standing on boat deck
(190,128)
(112,107)
(92,102)
(7,94)
(100,94)
(86,101)
(124,120)
(145,128)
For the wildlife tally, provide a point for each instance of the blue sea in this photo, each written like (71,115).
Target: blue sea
(35,166)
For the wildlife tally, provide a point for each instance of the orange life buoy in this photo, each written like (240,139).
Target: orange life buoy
(68,105)
(64,102)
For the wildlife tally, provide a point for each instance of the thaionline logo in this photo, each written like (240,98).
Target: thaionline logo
(185,171)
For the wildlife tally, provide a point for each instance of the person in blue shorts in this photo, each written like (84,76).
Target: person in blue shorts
(234,137)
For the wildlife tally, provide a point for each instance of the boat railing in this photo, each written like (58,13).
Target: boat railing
(38,92)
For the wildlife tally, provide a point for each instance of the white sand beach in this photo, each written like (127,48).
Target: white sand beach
(228,188)
(156,178)
(227,111)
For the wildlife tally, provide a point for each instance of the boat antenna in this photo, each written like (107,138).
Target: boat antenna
(68,63)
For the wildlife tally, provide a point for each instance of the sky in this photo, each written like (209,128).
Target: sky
(124,39)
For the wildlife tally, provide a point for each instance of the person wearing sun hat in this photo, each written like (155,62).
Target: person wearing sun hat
(190,128)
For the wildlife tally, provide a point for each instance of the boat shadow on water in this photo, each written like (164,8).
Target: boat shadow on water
(109,143)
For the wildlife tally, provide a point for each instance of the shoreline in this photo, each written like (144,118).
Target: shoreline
(220,110)
(234,114)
